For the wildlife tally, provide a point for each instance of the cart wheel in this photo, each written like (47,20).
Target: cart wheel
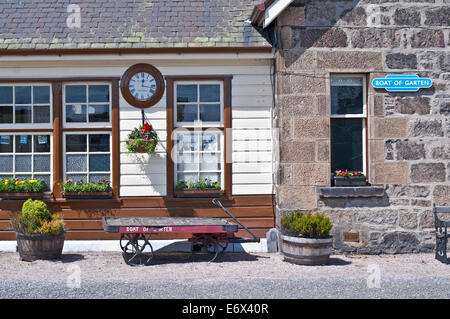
(122,238)
(138,251)
(207,245)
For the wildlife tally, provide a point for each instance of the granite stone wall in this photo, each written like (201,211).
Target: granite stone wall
(408,134)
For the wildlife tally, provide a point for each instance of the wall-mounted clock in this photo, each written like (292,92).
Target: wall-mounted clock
(142,85)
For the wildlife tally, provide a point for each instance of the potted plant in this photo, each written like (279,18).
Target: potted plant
(190,188)
(83,189)
(142,140)
(40,235)
(15,188)
(349,178)
(305,238)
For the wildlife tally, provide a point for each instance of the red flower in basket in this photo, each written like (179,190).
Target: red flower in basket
(147,127)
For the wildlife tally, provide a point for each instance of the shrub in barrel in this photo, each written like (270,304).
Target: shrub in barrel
(40,235)
(305,238)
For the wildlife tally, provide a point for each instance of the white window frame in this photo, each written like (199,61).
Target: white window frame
(32,153)
(86,124)
(87,153)
(362,116)
(198,123)
(199,151)
(31,125)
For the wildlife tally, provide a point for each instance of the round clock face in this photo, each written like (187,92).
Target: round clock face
(142,86)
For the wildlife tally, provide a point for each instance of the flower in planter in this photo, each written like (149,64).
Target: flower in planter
(348,173)
(142,139)
(200,183)
(10,185)
(82,186)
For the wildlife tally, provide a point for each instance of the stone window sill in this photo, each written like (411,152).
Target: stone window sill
(359,191)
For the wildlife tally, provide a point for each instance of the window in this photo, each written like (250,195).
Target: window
(348,123)
(24,105)
(26,156)
(87,156)
(199,114)
(87,105)
(199,104)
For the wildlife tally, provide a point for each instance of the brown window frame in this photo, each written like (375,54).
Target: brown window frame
(58,130)
(227,125)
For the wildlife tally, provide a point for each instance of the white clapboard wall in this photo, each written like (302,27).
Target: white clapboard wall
(144,175)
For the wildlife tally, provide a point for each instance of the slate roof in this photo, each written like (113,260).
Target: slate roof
(41,24)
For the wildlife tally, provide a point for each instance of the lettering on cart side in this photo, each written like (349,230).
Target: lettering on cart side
(132,229)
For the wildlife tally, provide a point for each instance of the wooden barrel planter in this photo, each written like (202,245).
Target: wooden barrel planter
(34,247)
(306,251)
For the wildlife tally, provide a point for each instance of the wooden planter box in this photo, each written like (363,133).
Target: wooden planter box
(87,195)
(33,247)
(23,195)
(349,181)
(141,149)
(200,192)
(306,251)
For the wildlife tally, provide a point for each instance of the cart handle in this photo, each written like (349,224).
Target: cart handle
(219,204)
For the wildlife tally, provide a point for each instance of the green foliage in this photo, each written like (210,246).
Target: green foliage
(144,137)
(16,185)
(200,183)
(36,219)
(82,186)
(306,224)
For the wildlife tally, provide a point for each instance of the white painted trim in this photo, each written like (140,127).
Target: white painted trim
(179,245)
(274,10)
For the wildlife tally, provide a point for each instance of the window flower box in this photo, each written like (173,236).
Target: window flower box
(349,178)
(198,188)
(15,188)
(87,190)
(142,140)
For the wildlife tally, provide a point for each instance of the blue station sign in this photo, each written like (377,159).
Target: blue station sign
(402,83)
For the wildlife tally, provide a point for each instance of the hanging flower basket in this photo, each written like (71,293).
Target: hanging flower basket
(142,140)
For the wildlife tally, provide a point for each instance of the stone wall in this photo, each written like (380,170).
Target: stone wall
(408,145)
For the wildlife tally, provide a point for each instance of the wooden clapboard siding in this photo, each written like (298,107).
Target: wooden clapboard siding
(84,217)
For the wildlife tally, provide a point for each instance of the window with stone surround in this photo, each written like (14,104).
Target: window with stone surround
(348,122)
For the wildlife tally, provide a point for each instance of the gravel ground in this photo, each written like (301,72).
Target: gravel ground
(236,275)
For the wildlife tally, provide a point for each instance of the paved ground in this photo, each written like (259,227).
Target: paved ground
(236,275)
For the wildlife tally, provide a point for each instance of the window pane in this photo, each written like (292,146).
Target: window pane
(6,143)
(99,113)
(23,143)
(41,94)
(76,143)
(23,114)
(210,162)
(98,177)
(76,113)
(41,163)
(210,93)
(346,144)
(41,114)
(187,177)
(99,163)
(6,95)
(76,177)
(23,176)
(187,93)
(23,163)
(346,96)
(210,112)
(76,163)
(210,142)
(6,114)
(76,94)
(98,93)
(214,177)
(187,162)
(23,94)
(42,143)
(6,163)
(187,142)
(99,143)
(187,113)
